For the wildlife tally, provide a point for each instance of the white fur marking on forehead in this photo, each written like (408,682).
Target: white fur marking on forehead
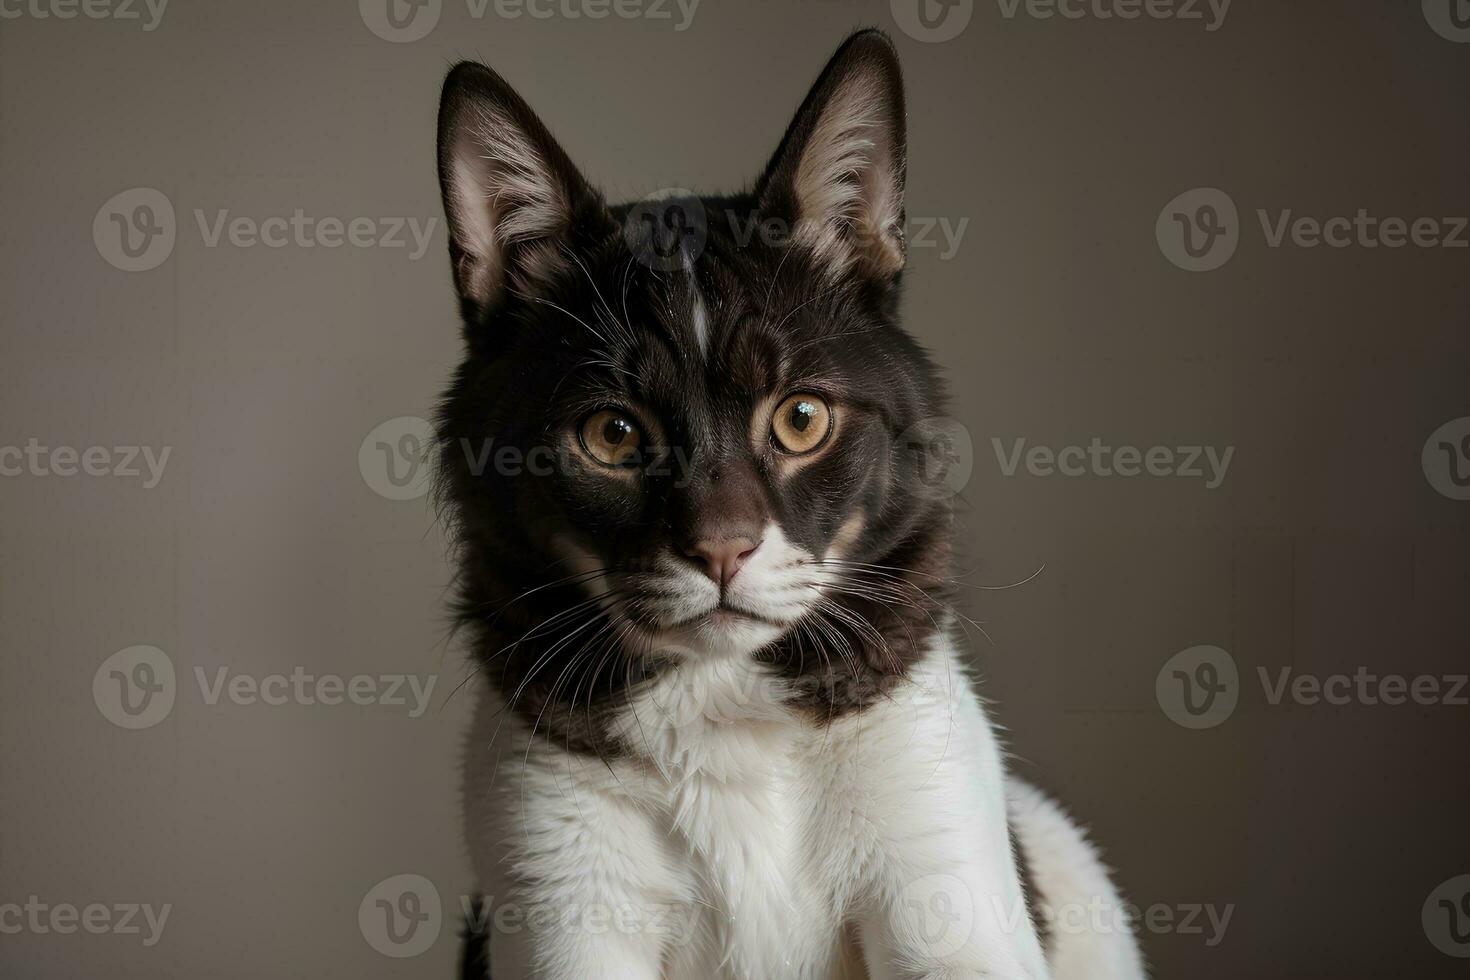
(700,319)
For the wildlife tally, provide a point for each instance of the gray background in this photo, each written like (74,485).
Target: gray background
(264,548)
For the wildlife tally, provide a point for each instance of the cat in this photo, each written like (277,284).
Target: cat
(725,729)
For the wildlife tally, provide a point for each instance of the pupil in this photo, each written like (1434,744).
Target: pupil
(615,431)
(801,415)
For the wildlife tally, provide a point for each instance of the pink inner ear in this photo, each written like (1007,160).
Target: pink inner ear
(501,193)
(474,230)
(847,182)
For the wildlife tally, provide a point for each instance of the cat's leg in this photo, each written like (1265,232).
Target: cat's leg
(576,880)
(597,923)
(948,909)
(944,900)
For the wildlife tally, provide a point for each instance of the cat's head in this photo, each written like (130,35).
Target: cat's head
(679,425)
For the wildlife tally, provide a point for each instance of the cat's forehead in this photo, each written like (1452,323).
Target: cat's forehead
(715,322)
(702,329)
(700,339)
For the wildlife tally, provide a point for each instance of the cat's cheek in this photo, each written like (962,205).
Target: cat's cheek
(825,507)
(843,544)
(599,499)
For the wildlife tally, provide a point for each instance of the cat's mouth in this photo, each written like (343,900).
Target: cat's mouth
(726,614)
(666,603)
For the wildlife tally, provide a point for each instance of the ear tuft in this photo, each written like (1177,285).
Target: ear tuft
(839,173)
(510,192)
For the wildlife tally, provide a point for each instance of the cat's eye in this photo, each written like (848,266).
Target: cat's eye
(801,423)
(611,438)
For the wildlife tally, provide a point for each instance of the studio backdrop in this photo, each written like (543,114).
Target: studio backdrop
(1195,272)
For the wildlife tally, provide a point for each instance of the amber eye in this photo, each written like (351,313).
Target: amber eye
(611,438)
(801,423)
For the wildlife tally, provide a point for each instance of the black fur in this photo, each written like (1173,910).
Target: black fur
(1031,892)
(474,959)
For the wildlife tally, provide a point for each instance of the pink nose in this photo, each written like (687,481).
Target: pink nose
(721,558)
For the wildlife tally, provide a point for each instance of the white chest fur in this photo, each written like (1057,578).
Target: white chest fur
(737,778)
(738,840)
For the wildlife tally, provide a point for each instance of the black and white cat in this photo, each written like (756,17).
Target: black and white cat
(726,729)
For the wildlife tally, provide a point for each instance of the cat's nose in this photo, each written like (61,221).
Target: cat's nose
(721,558)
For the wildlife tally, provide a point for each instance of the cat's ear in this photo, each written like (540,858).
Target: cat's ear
(838,175)
(510,192)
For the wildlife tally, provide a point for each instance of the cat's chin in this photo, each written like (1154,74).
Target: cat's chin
(720,632)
